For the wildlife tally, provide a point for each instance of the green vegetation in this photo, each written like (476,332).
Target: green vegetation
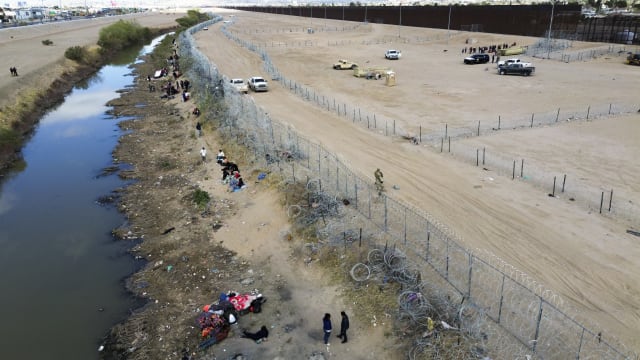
(121,35)
(76,53)
(193,17)
(8,138)
(47,42)
(201,198)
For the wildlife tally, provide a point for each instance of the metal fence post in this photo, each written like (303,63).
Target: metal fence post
(501,298)
(319,173)
(535,338)
(446,276)
(385,214)
(405,226)
(580,344)
(355,189)
(470,271)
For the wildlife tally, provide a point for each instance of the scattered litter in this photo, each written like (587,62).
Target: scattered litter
(396,187)
(261,176)
(168,230)
(632,232)
(169,268)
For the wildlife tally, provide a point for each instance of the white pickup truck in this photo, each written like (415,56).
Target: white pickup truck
(240,85)
(257,83)
(392,54)
(514,61)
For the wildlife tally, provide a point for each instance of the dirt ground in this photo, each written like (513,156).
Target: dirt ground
(241,242)
(586,258)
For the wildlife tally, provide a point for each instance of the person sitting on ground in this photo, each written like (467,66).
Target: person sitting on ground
(260,335)
(196,112)
(227,169)
(241,184)
(235,182)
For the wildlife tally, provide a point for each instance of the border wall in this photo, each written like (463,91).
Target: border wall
(525,20)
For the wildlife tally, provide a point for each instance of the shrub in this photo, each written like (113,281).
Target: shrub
(9,138)
(201,198)
(193,17)
(122,35)
(76,53)
(47,42)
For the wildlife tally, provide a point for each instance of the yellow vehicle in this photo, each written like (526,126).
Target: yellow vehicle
(633,59)
(515,50)
(344,65)
(376,72)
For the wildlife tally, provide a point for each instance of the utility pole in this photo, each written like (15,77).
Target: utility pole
(553,7)
(400,23)
(449,24)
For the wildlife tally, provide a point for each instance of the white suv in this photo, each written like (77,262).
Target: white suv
(392,54)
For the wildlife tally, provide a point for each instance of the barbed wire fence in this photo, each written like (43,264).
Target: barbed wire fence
(539,324)
(605,198)
(561,50)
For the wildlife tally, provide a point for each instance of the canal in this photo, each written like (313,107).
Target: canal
(61,272)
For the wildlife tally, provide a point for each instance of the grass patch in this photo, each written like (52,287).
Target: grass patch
(201,198)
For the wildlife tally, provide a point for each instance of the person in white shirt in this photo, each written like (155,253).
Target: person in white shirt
(220,157)
(203,152)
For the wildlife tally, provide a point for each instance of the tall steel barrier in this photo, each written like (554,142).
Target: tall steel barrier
(538,324)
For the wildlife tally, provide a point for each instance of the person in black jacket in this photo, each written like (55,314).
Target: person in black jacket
(344,326)
(260,335)
(228,168)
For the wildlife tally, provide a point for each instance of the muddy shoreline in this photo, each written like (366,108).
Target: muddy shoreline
(195,253)
(160,212)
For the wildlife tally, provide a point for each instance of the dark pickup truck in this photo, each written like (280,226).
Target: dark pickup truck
(516,69)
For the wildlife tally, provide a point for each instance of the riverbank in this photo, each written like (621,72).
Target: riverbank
(240,241)
(45,76)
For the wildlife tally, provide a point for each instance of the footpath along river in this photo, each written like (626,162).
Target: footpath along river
(61,271)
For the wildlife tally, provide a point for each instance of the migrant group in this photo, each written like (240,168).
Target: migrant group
(491,49)
(173,86)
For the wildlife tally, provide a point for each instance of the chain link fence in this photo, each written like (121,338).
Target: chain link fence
(561,50)
(537,324)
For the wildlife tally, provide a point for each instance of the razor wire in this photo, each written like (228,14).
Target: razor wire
(536,320)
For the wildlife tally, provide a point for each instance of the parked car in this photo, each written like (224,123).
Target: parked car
(477,59)
(392,54)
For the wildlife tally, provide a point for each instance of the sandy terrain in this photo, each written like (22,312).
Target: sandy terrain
(36,63)
(587,258)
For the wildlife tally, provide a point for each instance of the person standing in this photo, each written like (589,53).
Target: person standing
(199,128)
(344,326)
(326,327)
(203,153)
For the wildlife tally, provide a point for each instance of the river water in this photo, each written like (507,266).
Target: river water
(61,273)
